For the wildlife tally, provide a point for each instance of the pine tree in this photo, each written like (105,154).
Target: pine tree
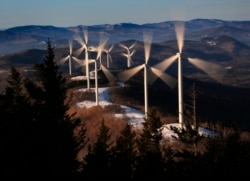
(97,161)
(16,100)
(56,145)
(53,86)
(226,156)
(124,154)
(187,135)
(151,163)
(16,126)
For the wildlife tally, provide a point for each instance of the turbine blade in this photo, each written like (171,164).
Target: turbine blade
(151,76)
(80,40)
(103,42)
(147,37)
(125,55)
(108,74)
(111,48)
(127,74)
(163,65)
(79,51)
(99,53)
(83,62)
(166,78)
(132,46)
(215,71)
(169,80)
(85,31)
(179,31)
(70,47)
(80,62)
(82,43)
(64,59)
(123,46)
(133,52)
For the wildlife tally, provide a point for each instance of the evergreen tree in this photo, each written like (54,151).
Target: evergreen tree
(124,154)
(226,157)
(56,147)
(97,161)
(52,89)
(150,163)
(16,125)
(187,135)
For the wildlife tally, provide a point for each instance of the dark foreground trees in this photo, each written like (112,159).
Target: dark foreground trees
(36,131)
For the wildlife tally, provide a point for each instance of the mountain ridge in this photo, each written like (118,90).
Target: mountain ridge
(30,36)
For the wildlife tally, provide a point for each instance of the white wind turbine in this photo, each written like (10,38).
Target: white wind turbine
(150,73)
(129,53)
(109,58)
(69,57)
(179,29)
(84,46)
(211,69)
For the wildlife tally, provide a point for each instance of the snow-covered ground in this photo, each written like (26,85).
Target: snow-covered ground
(135,116)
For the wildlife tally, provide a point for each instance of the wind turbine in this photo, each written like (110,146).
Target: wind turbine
(84,46)
(69,57)
(150,73)
(179,29)
(129,53)
(211,69)
(109,58)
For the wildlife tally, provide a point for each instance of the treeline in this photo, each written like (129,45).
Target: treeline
(39,139)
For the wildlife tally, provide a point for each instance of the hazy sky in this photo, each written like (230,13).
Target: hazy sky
(94,12)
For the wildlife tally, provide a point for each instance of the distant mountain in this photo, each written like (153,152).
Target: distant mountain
(30,36)
(225,43)
(231,55)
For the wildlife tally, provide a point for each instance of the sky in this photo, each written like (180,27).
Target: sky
(135,116)
(62,13)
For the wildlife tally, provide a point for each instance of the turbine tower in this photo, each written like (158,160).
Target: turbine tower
(96,83)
